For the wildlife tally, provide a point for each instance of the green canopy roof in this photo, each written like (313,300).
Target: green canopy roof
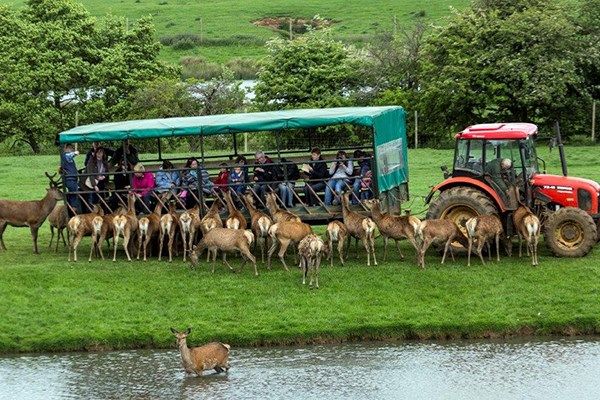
(225,123)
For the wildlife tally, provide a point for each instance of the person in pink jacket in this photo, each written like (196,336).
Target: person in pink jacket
(142,185)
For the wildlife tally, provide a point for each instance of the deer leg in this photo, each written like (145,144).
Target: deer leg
(225,260)
(250,256)
(116,244)
(61,231)
(271,252)
(372,245)
(146,242)
(76,241)
(340,250)
(399,251)
(171,240)
(304,269)
(535,249)
(3,225)
(446,247)
(469,251)
(520,246)
(365,241)
(385,244)
(160,245)
(498,247)
(34,237)
(316,267)
(284,245)
(426,243)
(489,251)
(92,249)
(126,237)
(480,244)
(139,245)
(51,236)
(356,247)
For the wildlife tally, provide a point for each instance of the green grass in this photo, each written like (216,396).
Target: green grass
(49,304)
(223,19)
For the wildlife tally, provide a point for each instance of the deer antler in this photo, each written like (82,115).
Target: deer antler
(53,182)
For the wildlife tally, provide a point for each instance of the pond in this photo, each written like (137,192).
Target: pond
(514,369)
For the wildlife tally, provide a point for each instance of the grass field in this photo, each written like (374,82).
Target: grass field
(231,20)
(49,304)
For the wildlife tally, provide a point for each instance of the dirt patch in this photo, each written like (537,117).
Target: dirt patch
(299,25)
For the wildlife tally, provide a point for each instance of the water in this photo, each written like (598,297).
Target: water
(550,369)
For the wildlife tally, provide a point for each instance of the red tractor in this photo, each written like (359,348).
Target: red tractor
(483,181)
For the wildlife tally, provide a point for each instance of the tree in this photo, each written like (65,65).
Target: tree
(310,71)
(56,60)
(502,60)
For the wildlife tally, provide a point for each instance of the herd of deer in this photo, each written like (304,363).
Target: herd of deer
(277,228)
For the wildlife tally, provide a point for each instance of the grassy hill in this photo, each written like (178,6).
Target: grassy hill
(227,29)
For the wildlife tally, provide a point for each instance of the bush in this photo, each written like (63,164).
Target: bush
(243,68)
(581,140)
(199,68)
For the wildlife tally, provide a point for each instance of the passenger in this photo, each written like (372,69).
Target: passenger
(340,171)
(95,146)
(317,174)
(131,154)
(167,181)
(222,179)
(142,185)
(241,160)
(69,170)
(237,178)
(190,181)
(361,184)
(99,180)
(122,182)
(264,174)
(498,169)
(286,188)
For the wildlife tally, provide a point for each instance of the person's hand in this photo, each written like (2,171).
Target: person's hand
(255,178)
(96,188)
(101,177)
(76,152)
(259,169)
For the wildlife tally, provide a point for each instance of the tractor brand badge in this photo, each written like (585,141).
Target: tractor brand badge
(561,189)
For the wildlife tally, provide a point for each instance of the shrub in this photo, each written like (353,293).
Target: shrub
(199,68)
(581,140)
(243,68)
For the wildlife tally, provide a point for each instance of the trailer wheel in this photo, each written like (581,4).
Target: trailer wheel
(570,232)
(459,204)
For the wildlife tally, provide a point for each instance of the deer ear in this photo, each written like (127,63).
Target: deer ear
(173,331)
(188,331)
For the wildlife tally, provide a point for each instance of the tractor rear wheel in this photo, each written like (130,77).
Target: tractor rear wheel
(459,204)
(570,232)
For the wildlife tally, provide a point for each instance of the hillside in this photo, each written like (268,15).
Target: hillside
(227,28)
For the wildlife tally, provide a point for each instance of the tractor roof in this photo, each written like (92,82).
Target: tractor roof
(501,131)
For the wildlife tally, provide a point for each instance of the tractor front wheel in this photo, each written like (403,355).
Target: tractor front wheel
(570,232)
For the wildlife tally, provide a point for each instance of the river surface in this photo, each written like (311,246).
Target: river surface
(535,369)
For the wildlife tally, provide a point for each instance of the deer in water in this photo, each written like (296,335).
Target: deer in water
(235,219)
(393,226)
(58,219)
(336,232)
(311,250)
(483,228)
(260,223)
(278,214)
(195,360)
(359,227)
(148,228)
(28,213)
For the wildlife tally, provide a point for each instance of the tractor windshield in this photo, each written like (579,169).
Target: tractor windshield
(469,156)
(529,156)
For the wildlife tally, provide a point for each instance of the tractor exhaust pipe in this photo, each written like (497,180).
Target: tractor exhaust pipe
(561,150)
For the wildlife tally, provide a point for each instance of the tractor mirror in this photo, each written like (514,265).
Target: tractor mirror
(445,171)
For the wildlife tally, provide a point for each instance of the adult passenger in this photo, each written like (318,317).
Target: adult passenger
(340,170)
(317,174)
(97,182)
(131,154)
(265,173)
(142,185)
(286,188)
(95,146)
(364,176)
(69,170)
(167,180)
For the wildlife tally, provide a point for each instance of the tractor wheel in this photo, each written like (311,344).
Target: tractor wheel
(459,204)
(570,232)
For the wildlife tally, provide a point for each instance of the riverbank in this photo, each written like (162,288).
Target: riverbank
(48,304)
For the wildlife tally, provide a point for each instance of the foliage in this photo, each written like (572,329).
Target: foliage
(503,60)
(588,27)
(57,60)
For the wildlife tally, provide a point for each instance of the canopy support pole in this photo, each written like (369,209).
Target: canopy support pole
(235,144)
(159,150)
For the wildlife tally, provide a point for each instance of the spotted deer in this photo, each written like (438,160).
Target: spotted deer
(482,229)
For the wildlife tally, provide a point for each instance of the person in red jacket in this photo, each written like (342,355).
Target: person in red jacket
(222,179)
(142,185)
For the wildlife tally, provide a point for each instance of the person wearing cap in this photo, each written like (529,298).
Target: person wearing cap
(142,185)
(497,170)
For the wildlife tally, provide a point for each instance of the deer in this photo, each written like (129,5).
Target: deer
(97,223)
(259,222)
(148,227)
(195,360)
(236,219)
(225,240)
(29,213)
(311,250)
(212,219)
(80,226)
(286,233)
(393,226)
(278,214)
(483,228)
(433,231)
(336,232)
(528,227)
(359,227)
(58,219)
(126,225)
(168,227)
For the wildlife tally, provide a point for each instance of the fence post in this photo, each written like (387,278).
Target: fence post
(416,129)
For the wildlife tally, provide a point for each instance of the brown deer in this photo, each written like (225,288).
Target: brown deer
(28,213)
(126,225)
(148,228)
(188,220)
(212,219)
(359,227)
(336,232)
(528,227)
(286,233)
(97,223)
(168,227)
(236,219)
(80,226)
(393,226)
(260,224)
(58,219)
(311,250)
(483,228)
(195,360)
(433,231)
(225,240)
(278,214)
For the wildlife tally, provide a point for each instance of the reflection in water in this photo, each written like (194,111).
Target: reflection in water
(566,368)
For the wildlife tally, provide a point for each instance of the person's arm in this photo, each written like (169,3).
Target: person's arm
(349,169)
(332,168)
